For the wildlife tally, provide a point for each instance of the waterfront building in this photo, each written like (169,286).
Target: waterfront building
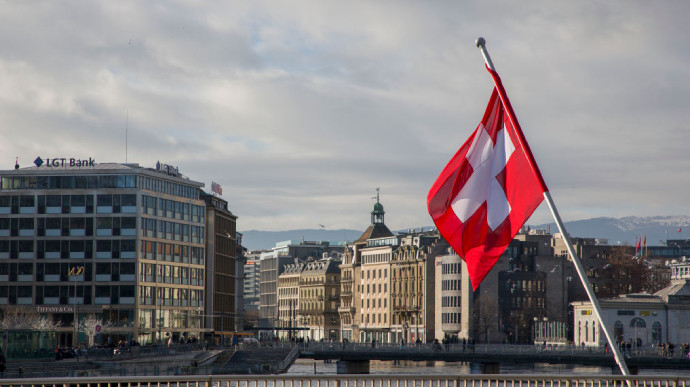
(387,288)
(223,267)
(355,324)
(319,299)
(272,265)
(120,242)
(251,290)
(289,300)
(412,286)
(454,298)
(524,289)
(640,319)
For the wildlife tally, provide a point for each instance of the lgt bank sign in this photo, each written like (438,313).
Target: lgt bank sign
(65,162)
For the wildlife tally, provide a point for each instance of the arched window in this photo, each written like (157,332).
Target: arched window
(586,330)
(656,332)
(594,331)
(618,331)
(637,323)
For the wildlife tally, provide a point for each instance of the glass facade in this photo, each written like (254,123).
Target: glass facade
(139,239)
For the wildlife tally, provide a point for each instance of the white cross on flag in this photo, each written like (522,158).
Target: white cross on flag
(488,190)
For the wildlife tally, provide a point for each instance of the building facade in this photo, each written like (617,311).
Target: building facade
(319,299)
(223,267)
(641,320)
(289,300)
(120,242)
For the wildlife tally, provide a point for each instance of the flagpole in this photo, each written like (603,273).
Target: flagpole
(481,44)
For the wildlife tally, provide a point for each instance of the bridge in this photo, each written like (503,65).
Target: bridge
(490,356)
(406,380)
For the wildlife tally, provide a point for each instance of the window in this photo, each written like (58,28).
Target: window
(656,332)
(618,330)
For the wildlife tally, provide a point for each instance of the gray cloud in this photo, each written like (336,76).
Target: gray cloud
(301,109)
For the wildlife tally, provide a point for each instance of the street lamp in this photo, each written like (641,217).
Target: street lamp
(75,271)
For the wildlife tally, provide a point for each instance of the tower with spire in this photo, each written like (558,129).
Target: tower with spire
(377,228)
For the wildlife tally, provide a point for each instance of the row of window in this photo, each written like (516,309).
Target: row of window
(374,301)
(374,318)
(376,258)
(170,252)
(68,204)
(454,284)
(451,268)
(154,318)
(373,289)
(164,296)
(167,187)
(171,274)
(172,209)
(372,273)
(450,318)
(64,295)
(98,182)
(73,226)
(67,182)
(173,231)
(67,249)
(59,272)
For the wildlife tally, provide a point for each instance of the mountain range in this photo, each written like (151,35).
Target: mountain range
(625,230)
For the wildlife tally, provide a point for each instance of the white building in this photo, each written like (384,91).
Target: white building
(641,319)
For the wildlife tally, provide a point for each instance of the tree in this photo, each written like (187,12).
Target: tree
(89,326)
(624,273)
(485,316)
(18,320)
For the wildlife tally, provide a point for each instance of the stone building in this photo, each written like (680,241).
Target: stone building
(319,299)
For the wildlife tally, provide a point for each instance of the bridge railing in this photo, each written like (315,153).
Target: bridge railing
(388,380)
(653,352)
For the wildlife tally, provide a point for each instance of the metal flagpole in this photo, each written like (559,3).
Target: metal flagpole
(481,43)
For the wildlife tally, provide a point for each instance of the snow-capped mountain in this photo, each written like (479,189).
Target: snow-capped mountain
(656,229)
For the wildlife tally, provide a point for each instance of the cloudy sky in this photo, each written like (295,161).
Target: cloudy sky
(300,109)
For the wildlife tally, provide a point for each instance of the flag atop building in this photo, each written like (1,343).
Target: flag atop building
(216,188)
(488,190)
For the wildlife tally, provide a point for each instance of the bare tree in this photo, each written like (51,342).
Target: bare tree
(18,320)
(90,326)
(624,274)
(484,316)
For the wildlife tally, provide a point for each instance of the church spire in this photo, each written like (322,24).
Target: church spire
(378,212)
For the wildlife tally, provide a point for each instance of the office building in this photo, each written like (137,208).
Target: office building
(121,242)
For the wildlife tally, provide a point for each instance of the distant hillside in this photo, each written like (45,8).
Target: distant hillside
(624,230)
(258,240)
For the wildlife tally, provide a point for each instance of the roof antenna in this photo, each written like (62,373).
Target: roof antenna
(16,163)
(126,130)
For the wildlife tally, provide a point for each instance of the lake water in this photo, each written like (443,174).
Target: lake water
(307,367)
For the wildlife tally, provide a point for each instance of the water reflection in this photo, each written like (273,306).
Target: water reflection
(309,367)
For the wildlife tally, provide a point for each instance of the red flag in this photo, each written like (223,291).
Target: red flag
(679,229)
(488,190)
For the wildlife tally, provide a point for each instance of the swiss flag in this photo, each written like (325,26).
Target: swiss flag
(488,190)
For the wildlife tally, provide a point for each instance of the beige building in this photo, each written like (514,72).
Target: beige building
(319,299)
(288,299)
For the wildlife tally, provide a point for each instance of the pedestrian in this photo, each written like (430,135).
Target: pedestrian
(402,343)
(373,344)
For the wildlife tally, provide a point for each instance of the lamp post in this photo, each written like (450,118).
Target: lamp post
(75,271)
